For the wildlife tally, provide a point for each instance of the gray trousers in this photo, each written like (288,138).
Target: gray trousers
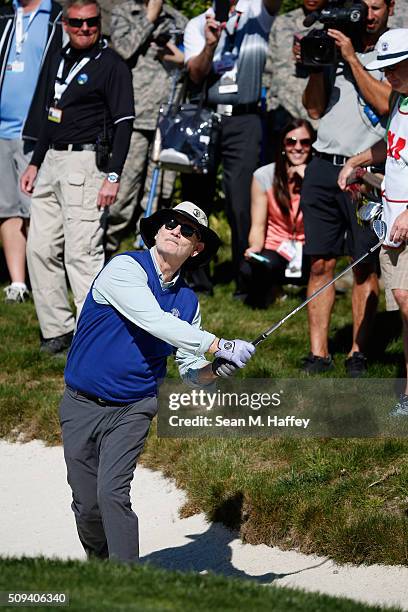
(101,447)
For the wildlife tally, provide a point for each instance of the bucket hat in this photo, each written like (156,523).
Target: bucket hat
(149,227)
(392,48)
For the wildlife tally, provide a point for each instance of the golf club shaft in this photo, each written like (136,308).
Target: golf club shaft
(270,331)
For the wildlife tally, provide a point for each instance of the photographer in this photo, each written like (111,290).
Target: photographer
(143,33)
(352,104)
(284,76)
(227,58)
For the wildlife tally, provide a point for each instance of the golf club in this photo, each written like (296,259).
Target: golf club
(380,229)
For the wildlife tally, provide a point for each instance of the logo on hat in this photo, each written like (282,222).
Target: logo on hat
(197,212)
(384,46)
(82,79)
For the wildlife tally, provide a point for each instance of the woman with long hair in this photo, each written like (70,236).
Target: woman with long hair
(276,236)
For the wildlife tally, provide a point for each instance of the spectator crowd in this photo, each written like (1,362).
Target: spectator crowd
(78,148)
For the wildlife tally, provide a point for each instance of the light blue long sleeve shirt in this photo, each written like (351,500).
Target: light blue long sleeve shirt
(123,285)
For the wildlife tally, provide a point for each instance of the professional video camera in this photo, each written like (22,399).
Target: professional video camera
(317,47)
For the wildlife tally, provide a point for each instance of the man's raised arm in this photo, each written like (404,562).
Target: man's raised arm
(199,65)
(315,96)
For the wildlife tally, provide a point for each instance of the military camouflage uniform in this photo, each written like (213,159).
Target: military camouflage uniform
(284,88)
(131,34)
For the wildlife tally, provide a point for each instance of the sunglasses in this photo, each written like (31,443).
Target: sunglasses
(292,142)
(91,22)
(185,230)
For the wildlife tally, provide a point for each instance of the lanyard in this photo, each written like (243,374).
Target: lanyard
(231,28)
(21,36)
(60,87)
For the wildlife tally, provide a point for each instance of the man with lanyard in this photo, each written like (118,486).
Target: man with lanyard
(30,32)
(392,59)
(91,98)
(137,312)
(228,59)
(352,105)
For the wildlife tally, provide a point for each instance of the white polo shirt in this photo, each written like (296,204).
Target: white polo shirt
(248,45)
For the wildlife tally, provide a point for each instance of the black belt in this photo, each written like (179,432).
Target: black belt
(98,400)
(243,109)
(237,109)
(72,147)
(336,160)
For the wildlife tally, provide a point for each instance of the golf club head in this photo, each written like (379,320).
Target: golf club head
(369,211)
(380,228)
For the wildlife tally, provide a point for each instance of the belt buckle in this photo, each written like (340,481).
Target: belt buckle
(225,109)
(338,160)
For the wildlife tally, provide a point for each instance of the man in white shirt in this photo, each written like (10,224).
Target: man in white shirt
(392,59)
(228,59)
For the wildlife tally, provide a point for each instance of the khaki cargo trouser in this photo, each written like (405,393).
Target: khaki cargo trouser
(65,237)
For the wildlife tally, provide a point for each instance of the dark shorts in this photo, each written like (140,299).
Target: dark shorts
(329,215)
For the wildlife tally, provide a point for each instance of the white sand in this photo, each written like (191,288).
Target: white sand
(36,519)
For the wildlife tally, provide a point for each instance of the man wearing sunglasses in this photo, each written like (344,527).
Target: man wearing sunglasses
(138,312)
(90,102)
(352,105)
(392,59)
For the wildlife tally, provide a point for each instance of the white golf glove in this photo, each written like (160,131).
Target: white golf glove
(238,352)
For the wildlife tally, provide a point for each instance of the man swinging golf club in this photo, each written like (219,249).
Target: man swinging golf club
(137,311)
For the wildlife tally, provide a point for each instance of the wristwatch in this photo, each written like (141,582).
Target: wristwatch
(113,177)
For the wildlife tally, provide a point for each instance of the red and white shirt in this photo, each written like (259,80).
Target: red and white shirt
(395,196)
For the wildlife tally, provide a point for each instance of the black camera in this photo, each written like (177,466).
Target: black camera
(317,48)
(173,35)
(222,8)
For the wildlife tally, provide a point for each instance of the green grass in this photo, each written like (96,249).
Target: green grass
(314,495)
(344,498)
(107,586)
